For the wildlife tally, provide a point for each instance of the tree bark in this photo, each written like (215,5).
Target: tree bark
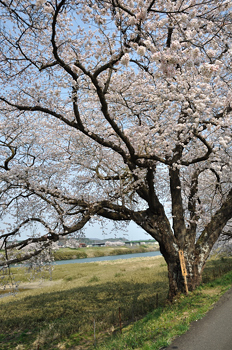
(194,261)
(176,280)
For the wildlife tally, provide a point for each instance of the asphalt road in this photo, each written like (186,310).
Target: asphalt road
(213,332)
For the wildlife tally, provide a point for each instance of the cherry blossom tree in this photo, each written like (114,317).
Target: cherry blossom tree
(122,110)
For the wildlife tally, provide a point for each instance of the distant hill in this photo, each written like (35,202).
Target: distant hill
(98,240)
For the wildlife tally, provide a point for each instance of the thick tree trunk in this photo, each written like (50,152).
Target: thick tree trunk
(176,280)
(196,251)
(195,263)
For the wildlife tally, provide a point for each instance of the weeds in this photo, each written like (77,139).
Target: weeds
(94,279)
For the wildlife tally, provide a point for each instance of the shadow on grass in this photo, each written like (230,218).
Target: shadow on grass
(216,268)
(45,319)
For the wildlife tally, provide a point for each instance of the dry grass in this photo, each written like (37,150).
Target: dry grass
(91,252)
(67,306)
(60,313)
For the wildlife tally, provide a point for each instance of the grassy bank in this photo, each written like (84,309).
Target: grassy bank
(159,327)
(63,313)
(93,252)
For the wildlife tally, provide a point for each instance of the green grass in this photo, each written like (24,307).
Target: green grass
(158,328)
(60,314)
(79,294)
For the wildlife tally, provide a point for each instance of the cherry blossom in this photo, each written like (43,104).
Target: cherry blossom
(116,110)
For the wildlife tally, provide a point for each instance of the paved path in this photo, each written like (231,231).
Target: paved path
(213,332)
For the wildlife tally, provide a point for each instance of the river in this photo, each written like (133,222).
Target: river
(100,258)
(105,258)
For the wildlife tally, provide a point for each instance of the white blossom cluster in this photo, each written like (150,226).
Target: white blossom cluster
(114,110)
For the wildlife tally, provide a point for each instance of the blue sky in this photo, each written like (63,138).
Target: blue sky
(131,232)
(96,230)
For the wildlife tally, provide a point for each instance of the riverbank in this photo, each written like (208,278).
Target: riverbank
(7,291)
(108,258)
(80,307)
(94,252)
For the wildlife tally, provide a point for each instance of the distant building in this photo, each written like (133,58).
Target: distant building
(150,241)
(112,244)
(101,244)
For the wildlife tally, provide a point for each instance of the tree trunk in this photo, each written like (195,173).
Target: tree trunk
(194,265)
(176,280)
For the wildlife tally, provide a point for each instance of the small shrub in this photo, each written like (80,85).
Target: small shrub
(68,278)
(94,279)
(118,274)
